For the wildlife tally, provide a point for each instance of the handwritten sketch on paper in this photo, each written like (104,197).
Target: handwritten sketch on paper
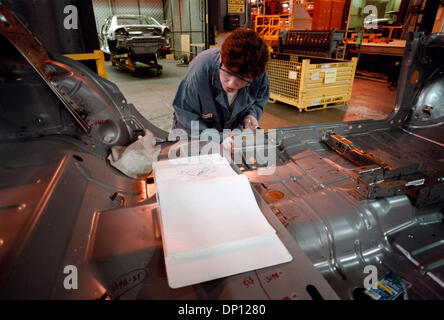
(209,217)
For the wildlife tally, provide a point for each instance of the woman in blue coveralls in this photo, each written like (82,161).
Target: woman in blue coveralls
(225,88)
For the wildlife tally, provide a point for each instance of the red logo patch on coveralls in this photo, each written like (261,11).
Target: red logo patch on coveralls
(207,115)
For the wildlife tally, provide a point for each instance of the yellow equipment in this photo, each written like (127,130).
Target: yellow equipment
(97,55)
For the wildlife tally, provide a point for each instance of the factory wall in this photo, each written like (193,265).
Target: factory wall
(187,20)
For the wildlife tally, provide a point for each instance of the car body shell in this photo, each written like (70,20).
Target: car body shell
(132,34)
(63,207)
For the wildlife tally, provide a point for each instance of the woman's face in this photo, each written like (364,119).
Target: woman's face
(231,81)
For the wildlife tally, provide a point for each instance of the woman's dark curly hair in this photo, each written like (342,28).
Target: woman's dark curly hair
(244,53)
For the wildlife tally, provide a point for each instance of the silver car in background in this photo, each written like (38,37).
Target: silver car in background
(133,38)
(136,34)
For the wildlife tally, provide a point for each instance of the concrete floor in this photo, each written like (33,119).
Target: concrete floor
(153,96)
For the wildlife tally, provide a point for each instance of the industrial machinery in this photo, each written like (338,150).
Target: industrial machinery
(328,44)
(384,25)
(344,196)
(276,16)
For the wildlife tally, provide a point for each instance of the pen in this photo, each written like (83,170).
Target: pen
(384,288)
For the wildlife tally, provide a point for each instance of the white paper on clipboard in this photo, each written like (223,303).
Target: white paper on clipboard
(212,225)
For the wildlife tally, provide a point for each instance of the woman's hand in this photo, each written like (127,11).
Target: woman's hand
(228,143)
(250,123)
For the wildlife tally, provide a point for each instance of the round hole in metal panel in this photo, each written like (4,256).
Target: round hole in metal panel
(415,77)
(109,132)
(276,195)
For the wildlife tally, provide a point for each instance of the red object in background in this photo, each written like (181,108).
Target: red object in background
(336,14)
(327,14)
(272,7)
(275,8)
(321,15)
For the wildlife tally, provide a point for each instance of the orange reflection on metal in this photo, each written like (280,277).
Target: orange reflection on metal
(415,77)
(276,195)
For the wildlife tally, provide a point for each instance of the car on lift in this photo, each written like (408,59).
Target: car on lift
(131,38)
